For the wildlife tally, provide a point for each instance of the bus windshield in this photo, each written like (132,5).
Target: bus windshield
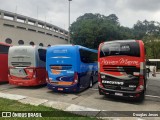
(22,56)
(120,48)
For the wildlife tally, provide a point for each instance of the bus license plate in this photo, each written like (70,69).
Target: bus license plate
(17,72)
(119,94)
(60,89)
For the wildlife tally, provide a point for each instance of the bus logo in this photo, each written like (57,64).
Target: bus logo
(60,51)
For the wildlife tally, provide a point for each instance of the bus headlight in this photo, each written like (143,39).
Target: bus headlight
(103,76)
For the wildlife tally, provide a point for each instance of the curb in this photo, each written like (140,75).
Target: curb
(79,110)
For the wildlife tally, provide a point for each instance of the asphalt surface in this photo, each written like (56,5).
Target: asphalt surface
(91,98)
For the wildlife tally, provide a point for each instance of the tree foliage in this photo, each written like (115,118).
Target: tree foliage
(145,28)
(91,29)
(149,31)
(152,45)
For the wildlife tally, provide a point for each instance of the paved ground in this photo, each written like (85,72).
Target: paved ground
(91,98)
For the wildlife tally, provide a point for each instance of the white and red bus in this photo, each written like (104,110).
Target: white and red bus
(122,69)
(27,65)
(4,61)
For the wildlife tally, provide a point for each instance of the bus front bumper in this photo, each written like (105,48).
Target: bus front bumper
(68,89)
(124,94)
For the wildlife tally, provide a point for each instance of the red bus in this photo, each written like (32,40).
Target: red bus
(4,62)
(122,69)
(27,65)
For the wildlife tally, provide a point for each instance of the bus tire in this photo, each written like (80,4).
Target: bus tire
(145,85)
(91,82)
(141,97)
(100,93)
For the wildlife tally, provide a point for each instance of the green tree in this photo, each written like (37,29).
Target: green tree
(152,44)
(91,29)
(145,28)
(149,32)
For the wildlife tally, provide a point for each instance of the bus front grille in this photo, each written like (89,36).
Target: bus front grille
(21,64)
(115,87)
(113,68)
(119,84)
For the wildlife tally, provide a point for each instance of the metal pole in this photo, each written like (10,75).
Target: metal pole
(37,12)
(69,23)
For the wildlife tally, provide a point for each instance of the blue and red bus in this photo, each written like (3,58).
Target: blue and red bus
(27,65)
(4,61)
(122,69)
(71,68)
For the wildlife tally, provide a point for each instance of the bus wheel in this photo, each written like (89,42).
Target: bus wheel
(91,83)
(141,97)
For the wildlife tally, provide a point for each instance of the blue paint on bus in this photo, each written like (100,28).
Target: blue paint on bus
(71,68)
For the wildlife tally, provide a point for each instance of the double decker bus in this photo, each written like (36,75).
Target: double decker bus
(27,65)
(4,61)
(71,68)
(122,69)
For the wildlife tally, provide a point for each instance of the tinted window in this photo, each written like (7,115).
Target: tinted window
(42,54)
(120,48)
(87,56)
(4,49)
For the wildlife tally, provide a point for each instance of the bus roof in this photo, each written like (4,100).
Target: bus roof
(120,41)
(29,46)
(78,46)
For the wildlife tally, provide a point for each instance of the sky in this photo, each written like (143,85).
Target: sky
(56,11)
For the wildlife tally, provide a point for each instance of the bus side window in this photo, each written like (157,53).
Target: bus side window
(4,49)
(42,54)
(83,59)
(93,57)
(88,56)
